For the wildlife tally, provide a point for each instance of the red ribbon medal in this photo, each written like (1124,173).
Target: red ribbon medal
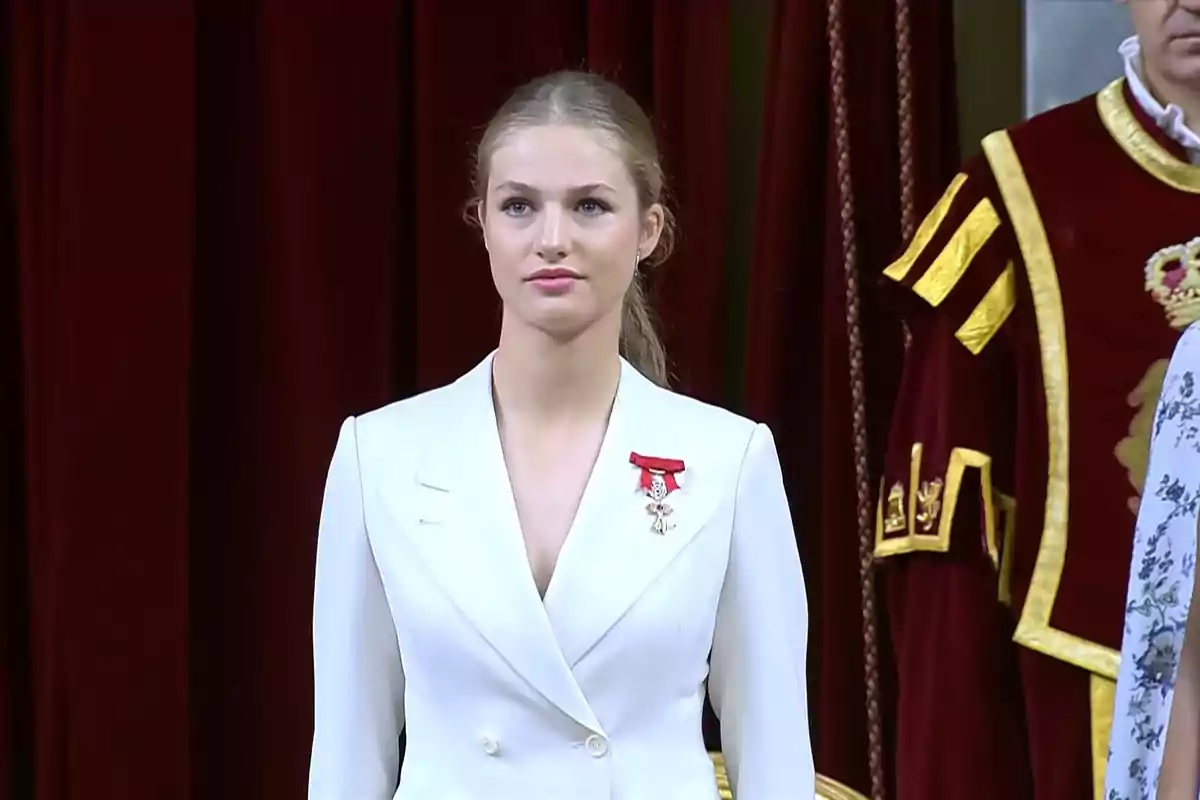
(658,480)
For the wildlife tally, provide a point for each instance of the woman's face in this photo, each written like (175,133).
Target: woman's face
(563,228)
(1169,31)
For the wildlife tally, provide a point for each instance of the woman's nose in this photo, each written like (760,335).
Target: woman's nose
(552,245)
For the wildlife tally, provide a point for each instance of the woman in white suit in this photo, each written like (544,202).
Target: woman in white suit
(537,570)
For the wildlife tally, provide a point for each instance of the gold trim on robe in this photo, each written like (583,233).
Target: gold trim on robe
(723,789)
(990,315)
(948,268)
(1033,628)
(1151,156)
(932,503)
(1006,506)
(927,230)
(829,789)
(1102,699)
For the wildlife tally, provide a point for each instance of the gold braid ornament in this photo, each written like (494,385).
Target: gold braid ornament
(866,536)
(904,103)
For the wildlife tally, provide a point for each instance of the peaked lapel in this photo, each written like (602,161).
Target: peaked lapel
(465,526)
(611,555)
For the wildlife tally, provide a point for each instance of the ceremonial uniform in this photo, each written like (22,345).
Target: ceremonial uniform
(1044,293)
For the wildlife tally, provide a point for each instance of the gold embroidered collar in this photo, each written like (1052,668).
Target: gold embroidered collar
(1151,156)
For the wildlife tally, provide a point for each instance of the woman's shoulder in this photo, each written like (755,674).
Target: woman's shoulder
(410,414)
(1180,383)
(1187,351)
(392,437)
(700,418)
(1188,346)
(1177,419)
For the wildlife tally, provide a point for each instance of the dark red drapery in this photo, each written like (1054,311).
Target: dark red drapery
(103,173)
(797,362)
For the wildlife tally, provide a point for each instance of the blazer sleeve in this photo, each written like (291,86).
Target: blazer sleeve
(758,683)
(358,677)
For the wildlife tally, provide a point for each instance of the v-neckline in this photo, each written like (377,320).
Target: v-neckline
(612,432)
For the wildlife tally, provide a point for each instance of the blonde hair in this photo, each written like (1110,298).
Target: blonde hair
(590,101)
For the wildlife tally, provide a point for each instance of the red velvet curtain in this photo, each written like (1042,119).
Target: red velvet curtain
(229,225)
(14,619)
(797,363)
(101,118)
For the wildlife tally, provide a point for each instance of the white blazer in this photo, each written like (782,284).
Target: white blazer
(427,618)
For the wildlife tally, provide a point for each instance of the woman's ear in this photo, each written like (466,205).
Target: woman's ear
(480,217)
(652,228)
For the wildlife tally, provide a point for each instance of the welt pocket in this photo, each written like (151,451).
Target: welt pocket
(419,506)
(431,507)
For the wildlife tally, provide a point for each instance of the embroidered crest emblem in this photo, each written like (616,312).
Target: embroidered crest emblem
(1173,280)
(895,521)
(929,503)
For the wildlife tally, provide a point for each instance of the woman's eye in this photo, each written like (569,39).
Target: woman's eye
(516,208)
(591,207)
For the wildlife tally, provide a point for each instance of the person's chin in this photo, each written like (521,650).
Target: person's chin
(1189,78)
(1182,68)
(560,317)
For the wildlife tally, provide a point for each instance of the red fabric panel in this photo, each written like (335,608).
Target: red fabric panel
(16,751)
(103,116)
(1059,734)
(797,359)
(781,316)
(934,100)
(294,304)
(953,642)
(691,104)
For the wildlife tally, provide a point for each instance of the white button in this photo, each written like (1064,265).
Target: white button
(489,745)
(596,746)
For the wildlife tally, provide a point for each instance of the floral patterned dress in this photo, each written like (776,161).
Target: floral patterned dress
(1160,583)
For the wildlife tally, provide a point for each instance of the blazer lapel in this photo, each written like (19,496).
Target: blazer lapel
(612,554)
(468,534)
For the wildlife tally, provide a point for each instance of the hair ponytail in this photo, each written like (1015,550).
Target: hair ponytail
(640,343)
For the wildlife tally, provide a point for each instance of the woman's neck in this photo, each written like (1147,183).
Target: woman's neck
(536,376)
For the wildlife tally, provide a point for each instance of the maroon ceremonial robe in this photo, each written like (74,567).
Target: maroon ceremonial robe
(1044,294)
